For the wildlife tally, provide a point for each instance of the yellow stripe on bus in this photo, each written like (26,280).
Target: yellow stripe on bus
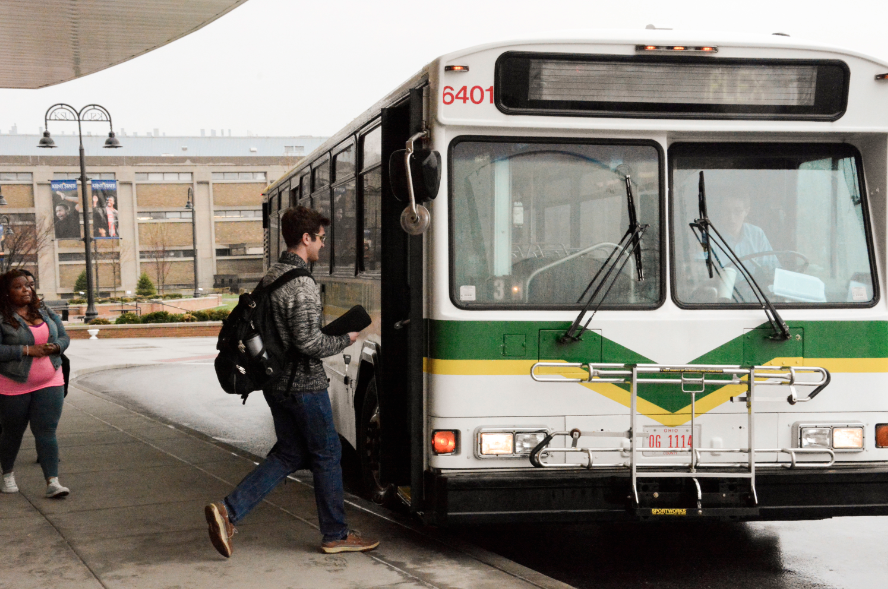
(622,396)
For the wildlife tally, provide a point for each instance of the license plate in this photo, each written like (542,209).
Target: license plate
(668,437)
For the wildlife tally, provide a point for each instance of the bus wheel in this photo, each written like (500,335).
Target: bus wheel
(368,446)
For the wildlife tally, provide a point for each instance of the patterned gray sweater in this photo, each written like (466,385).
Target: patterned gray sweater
(296,309)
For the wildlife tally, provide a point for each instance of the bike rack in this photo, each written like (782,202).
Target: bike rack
(692,379)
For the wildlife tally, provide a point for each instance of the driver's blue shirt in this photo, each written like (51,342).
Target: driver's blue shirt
(752,240)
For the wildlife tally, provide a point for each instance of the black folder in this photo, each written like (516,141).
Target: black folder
(355,319)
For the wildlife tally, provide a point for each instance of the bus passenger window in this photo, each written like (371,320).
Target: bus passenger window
(320,175)
(792,213)
(344,164)
(344,209)
(372,149)
(372,183)
(320,201)
(532,222)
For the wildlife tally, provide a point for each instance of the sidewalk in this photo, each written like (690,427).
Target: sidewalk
(135,514)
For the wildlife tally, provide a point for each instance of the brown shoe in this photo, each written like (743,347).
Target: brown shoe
(351,543)
(221,530)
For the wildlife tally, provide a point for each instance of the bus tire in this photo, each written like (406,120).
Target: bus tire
(368,446)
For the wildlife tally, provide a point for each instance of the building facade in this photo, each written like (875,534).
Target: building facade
(226,175)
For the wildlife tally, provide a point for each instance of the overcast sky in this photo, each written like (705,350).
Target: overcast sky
(291,67)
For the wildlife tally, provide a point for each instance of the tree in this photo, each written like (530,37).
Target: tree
(145,287)
(22,240)
(158,239)
(80,283)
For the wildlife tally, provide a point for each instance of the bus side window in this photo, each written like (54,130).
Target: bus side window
(344,212)
(372,185)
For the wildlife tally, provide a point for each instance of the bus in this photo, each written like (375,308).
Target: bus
(630,275)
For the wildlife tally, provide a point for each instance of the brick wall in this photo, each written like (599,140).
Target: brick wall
(172,233)
(224,266)
(68,274)
(162,195)
(249,232)
(176,272)
(232,195)
(19,196)
(203,329)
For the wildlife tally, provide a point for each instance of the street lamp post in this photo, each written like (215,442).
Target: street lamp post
(89,113)
(5,230)
(190,205)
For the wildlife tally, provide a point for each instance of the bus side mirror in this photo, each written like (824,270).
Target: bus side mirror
(425,167)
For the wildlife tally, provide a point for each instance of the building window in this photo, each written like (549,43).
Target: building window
(155,215)
(164,177)
(154,254)
(76,175)
(245,213)
(16,177)
(239,176)
(294,150)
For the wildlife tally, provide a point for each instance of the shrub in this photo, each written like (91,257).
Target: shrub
(201,315)
(218,314)
(127,319)
(157,317)
(186,318)
(145,287)
(172,296)
(100,321)
(80,283)
(76,301)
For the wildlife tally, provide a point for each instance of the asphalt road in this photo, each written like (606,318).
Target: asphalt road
(841,552)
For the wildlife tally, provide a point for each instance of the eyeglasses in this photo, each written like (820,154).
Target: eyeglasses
(321,236)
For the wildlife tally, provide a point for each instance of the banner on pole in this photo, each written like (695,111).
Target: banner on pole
(105,219)
(66,209)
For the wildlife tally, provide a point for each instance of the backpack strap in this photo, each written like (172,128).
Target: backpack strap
(284,279)
(279,282)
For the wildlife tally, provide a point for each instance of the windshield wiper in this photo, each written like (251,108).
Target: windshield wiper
(708,236)
(628,246)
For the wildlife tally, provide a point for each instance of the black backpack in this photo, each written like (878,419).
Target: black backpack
(244,364)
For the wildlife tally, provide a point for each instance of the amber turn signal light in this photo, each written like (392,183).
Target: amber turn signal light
(882,435)
(444,441)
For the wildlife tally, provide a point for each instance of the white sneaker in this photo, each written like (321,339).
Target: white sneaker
(9,485)
(55,490)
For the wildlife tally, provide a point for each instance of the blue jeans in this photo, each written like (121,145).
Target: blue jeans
(306,438)
(43,409)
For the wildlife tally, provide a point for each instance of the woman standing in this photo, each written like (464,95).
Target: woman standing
(32,340)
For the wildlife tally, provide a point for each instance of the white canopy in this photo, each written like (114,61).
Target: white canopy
(47,42)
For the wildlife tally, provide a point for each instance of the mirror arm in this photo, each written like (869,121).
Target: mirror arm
(407,155)
(415,219)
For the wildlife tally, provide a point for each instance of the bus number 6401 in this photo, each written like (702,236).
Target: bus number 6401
(475,94)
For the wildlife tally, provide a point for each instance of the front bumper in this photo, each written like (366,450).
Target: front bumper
(534,495)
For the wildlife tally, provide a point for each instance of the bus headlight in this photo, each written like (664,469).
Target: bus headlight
(497,443)
(504,442)
(525,442)
(847,438)
(814,437)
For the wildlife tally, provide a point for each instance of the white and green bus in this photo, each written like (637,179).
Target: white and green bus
(631,275)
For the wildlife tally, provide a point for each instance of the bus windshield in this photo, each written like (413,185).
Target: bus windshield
(792,214)
(533,221)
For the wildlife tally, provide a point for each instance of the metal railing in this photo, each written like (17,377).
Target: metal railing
(693,380)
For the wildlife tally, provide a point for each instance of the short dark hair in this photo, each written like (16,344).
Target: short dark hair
(297,221)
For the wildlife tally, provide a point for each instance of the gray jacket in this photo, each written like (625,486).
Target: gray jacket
(13,364)
(297,312)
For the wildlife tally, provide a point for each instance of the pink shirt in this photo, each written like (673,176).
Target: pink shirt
(43,374)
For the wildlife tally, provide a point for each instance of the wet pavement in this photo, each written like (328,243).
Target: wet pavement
(134,518)
(840,552)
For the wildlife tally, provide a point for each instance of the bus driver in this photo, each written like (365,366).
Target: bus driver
(744,238)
